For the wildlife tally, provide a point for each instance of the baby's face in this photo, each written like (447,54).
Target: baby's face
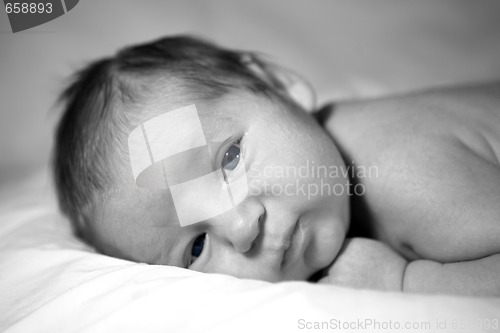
(287,212)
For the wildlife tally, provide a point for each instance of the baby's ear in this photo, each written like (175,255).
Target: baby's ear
(284,80)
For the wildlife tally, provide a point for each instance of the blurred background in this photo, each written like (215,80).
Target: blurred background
(346,48)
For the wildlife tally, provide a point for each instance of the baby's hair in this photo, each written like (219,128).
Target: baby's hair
(92,126)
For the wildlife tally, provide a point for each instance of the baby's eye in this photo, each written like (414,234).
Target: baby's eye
(197,248)
(231,157)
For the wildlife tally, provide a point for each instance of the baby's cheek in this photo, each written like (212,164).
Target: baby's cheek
(328,233)
(132,224)
(130,243)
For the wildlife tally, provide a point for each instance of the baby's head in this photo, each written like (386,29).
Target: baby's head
(178,152)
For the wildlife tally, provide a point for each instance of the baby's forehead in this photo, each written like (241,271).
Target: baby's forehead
(174,112)
(163,100)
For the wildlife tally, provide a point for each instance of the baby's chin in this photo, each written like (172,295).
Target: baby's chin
(316,247)
(305,271)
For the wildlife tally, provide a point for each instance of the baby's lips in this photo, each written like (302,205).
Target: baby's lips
(296,243)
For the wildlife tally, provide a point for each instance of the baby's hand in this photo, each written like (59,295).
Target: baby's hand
(367,264)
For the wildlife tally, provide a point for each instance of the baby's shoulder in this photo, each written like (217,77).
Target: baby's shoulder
(437,185)
(453,118)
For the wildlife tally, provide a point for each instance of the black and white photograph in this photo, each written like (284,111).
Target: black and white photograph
(250,166)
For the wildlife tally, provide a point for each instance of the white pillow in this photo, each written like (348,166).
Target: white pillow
(52,282)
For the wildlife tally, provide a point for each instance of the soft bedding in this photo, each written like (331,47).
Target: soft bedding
(52,282)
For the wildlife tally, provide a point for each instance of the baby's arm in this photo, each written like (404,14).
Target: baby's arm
(368,264)
(479,277)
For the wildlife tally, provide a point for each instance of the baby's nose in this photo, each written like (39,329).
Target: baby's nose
(241,233)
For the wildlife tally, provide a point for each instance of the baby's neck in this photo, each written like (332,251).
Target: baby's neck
(361,221)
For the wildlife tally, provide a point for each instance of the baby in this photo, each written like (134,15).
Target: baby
(178,152)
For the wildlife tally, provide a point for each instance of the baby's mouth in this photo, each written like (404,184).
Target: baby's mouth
(292,245)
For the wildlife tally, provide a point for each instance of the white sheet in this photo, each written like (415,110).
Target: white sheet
(51,282)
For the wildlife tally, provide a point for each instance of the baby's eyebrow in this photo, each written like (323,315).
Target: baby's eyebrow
(181,167)
(187,165)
